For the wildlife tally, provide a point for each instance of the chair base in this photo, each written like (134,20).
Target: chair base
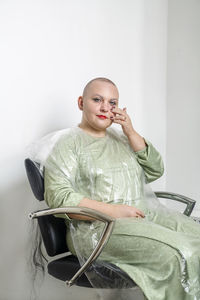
(106,275)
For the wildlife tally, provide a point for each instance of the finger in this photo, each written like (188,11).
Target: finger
(125,111)
(117,110)
(120,117)
(140,213)
(138,217)
(118,121)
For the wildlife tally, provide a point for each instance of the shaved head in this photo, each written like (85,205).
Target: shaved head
(94,80)
(99,97)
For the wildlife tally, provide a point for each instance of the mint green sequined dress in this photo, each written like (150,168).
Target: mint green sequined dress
(160,252)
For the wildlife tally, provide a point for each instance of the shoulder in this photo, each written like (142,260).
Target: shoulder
(64,146)
(40,149)
(69,138)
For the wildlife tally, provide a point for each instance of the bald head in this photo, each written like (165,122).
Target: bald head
(91,82)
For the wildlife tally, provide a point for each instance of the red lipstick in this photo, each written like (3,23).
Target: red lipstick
(102,117)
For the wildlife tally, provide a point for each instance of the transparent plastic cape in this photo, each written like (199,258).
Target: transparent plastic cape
(160,252)
(39,150)
(106,271)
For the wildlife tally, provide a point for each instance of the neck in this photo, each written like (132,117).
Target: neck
(92,131)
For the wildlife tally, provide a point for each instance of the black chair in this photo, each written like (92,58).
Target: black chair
(53,231)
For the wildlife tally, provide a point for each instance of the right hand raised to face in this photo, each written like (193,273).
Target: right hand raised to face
(126,211)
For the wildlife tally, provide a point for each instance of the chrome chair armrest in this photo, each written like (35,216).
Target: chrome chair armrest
(109,223)
(180,198)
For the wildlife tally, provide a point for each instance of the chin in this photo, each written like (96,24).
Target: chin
(105,127)
(102,126)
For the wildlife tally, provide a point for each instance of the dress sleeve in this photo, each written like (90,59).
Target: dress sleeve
(151,162)
(60,177)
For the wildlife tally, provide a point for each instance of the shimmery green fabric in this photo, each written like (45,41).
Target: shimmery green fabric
(160,252)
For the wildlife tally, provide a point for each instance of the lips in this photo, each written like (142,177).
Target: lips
(102,117)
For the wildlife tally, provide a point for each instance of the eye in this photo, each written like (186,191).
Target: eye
(112,102)
(96,99)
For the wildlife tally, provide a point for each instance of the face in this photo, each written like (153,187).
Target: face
(96,105)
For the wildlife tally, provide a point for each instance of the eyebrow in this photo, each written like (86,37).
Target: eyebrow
(102,97)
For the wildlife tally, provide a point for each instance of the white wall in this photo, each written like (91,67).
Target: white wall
(153,83)
(49,50)
(183,99)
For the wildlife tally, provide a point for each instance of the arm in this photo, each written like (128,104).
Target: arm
(112,210)
(147,156)
(60,176)
(151,162)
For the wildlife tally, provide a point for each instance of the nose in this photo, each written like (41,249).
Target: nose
(105,106)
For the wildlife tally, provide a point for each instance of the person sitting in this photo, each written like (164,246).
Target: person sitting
(96,166)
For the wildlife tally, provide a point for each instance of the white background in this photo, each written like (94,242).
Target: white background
(49,51)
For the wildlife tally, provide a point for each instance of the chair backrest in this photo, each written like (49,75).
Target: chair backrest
(53,229)
(35,178)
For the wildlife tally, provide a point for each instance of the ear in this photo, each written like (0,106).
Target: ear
(80,102)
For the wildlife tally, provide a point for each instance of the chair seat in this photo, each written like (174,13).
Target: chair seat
(106,274)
